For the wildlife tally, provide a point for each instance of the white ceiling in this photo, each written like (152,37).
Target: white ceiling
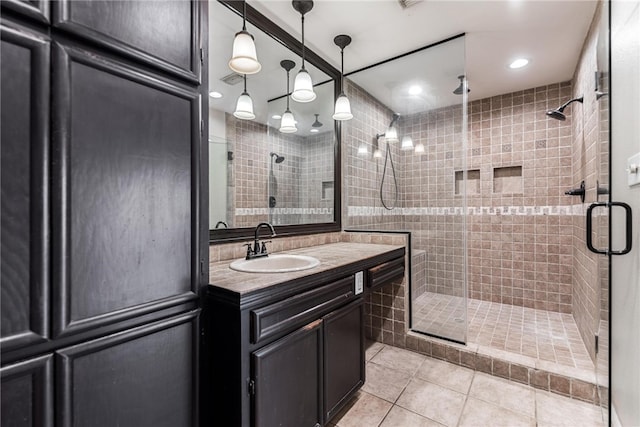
(548,33)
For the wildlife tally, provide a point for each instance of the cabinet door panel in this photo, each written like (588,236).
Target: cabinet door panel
(288,380)
(146,376)
(344,369)
(125,192)
(27,393)
(131,28)
(35,9)
(24,203)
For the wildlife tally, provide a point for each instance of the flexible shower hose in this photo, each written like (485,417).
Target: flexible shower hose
(389,158)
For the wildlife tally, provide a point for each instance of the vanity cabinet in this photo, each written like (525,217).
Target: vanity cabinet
(289,354)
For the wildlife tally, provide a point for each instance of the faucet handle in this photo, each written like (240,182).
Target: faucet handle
(263,250)
(249,250)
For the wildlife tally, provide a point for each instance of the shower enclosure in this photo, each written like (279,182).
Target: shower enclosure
(487,185)
(411,174)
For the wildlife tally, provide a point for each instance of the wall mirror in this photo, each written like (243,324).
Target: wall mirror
(256,172)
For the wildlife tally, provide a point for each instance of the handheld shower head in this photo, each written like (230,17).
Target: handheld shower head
(279,159)
(558,113)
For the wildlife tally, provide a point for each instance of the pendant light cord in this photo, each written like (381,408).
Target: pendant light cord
(245,83)
(341,70)
(302,41)
(244,15)
(395,179)
(287,90)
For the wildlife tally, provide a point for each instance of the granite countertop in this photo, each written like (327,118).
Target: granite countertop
(331,256)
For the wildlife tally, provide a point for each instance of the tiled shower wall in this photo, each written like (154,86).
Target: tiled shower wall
(518,165)
(524,163)
(587,162)
(296,183)
(363,174)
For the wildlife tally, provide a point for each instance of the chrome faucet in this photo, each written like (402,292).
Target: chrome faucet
(259,250)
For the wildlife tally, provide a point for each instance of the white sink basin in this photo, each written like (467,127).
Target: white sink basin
(276,263)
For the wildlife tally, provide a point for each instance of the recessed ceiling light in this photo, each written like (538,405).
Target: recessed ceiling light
(276,117)
(314,130)
(215,94)
(415,90)
(519,63)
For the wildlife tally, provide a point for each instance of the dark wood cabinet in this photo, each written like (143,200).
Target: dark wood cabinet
(287,380)
(145,376)
(343,356)
(24,247)
(125,192)
(166,37)
(27,393)
(289,354)
(103,248)
(33,9)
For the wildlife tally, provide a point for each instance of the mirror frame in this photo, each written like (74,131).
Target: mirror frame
(264,24)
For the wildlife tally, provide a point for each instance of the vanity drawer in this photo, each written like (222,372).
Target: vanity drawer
(382,274)
(290,313)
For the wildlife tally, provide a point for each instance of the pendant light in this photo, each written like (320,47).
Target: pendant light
(244,105)
(419,148)
(303,86)
(244,59)
(287,122)
(343,107)
(391,135)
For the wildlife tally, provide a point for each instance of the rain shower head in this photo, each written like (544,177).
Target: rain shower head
(460,89)
(558,113)
(279,159)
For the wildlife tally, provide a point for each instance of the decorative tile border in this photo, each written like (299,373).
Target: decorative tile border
(562,210)
(283,211)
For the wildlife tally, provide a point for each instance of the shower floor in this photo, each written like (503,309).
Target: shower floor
(538,334)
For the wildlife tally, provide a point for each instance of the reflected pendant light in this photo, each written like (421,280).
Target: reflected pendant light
(244,105)
(391,135)
(407,143)
(287,122)
(342,110)
(244,59)
(419,148)
(303,86)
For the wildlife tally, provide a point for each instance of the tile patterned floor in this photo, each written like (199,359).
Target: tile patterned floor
(406,389)
(540,334)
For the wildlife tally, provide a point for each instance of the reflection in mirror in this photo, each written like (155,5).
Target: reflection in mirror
(258,173)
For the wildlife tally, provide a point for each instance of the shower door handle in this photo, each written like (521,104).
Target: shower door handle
(628,228)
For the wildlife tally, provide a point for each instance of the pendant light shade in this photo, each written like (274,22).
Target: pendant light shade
(419,148)
(363,150)
(377,153)
(287,122)
(244,59)
(244,105)
(342,110)
(303,86)
(391,135)
(407,143)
